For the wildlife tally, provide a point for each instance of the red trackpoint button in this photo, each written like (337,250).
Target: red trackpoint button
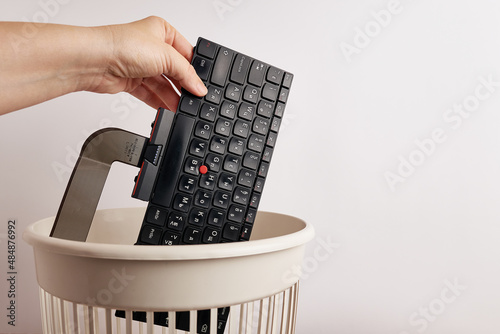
(203,169)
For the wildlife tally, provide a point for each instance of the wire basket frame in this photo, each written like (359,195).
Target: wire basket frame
(275,314)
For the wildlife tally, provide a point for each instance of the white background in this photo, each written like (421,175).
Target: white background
(353,116)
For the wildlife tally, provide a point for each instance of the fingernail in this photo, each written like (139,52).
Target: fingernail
(201,88)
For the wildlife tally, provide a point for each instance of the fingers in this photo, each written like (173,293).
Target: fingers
(164,51)
(142,93)
(176,55)
(179,42)
(157,92)
(162,88)
(179,69)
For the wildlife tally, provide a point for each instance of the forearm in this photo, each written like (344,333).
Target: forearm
(50,61)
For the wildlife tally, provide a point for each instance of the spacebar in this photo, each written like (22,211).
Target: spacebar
(172,161)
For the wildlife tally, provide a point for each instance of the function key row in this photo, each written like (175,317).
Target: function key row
(221,60)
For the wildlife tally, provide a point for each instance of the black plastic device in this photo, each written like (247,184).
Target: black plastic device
(203,168)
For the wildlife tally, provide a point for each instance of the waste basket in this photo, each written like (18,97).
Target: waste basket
(82,284)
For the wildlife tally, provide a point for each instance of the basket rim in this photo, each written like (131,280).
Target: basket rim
(36,235)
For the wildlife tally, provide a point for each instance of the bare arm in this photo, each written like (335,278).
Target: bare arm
(52,60)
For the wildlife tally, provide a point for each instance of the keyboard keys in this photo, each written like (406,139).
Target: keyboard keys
(287,81)
(275,125)
(223,127)
(268,153)
(156,216)
(236,146)
(280,108)
(192,165)
(151,235)
(176,221)
(226,181)
(231,163)
(197,217)
(218,154)
(214,94)
(211,235)
(213,162)
(231,232)
(259,184)
(283,97)
(202,67)
(221,66)
(198,147)
(240,69)
(241,196)
(270,92)
(216,217)
(256,143)
(202,198)
(264,168)
(261,126)
(187,184)
(246,111)
(207,180)
(171,238)
(218,145)
(236,213)
(192,235)
(251,94)
(246,178)
(203,130)
(221,199)
(241,128)
(182,202)
(251,214)
(216,160)
(271,139)
(208,112)
(265,109)
(190,105)
(254,202)
(251,160)
(275,75)
(228,109)
(257,73)
(245,232)
(206,48)
(233,92)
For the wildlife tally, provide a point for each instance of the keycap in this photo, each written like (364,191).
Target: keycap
(240,69)
(257,73)
(206,48)
(221,66)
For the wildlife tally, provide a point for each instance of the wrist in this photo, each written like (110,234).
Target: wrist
(93,61)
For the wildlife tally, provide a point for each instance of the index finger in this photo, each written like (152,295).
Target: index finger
(178,41)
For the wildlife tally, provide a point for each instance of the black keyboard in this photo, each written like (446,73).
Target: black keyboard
(206,186)
(210,178)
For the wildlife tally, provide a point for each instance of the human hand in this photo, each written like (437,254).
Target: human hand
(140,55)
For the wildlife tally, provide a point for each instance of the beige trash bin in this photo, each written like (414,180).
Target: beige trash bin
(82,284)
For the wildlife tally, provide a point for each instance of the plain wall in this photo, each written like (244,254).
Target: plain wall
(390,147)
